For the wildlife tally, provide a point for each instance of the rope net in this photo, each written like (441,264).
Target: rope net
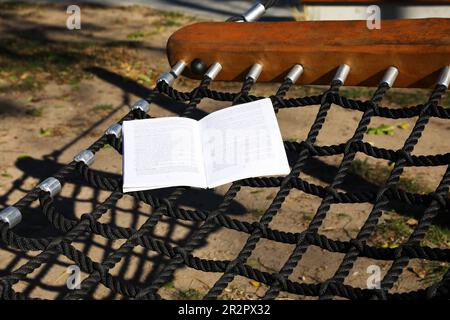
(47,248)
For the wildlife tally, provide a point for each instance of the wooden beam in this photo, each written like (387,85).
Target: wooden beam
(419,48)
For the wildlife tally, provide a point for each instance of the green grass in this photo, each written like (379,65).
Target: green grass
(9,5)
(45,133)
(378,174)
(256,212)
(23,157)
(189,294)
(144,78)
(19,84)
(103,107)
(5,174)
(35,112)
(437,236)
(408,98)
(395,230)
(434,271)
(356,92)
(446,101)
(169,19)
(172,14)
(137,35)
(169,285)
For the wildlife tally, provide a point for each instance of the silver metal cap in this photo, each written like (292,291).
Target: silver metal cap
(390,76)
(255,71)
(342,73)
(167,77)
(86,156)
(175,72)
(11,215)
(178,68)
(295,73)
(255,12)
(141,105)
(444,77)
(115,130)
(213,71)
(50,185)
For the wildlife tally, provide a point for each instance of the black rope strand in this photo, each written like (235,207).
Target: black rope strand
(372,220)
(99,272)
(326,202)
(285,188)
(208,225)
(91,281)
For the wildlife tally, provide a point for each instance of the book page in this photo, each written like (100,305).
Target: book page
(242,141)
(163,152)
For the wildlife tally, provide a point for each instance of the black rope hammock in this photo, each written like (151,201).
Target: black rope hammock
(181,256)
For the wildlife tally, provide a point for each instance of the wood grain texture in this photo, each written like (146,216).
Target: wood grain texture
(419,48)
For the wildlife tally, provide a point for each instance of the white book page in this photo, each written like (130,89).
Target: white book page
(242,141)
(161,153)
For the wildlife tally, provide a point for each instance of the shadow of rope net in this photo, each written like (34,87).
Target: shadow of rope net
(45,249)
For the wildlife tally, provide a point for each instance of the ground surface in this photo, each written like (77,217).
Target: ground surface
(210,9)
(61,89)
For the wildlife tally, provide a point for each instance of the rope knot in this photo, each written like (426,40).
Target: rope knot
(374,106)
(88,217)
(327,97)
(261,228)
(404,154)
(439,199)
(357,244)
(276,102)
(331,191)
(308,146)
(323,290)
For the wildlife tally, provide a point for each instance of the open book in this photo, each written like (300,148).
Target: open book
(238,142)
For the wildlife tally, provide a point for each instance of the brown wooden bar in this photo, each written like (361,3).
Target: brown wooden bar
(419,48)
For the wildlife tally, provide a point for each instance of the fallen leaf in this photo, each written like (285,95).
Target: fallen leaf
(404,126)
(411,222)
(255,284)
(420,272)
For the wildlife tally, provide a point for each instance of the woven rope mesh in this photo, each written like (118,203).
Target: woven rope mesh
(47,249)
(37,252)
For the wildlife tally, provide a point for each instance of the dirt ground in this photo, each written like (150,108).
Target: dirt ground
(60,89)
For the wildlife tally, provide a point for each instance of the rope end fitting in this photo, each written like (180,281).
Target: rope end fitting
(114,130)
(444,77)
(174,73)
(142,105)
(11,215)
(342,73)
(390,76)
(213,70)
(50,185)
(295,73)
(86,156)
